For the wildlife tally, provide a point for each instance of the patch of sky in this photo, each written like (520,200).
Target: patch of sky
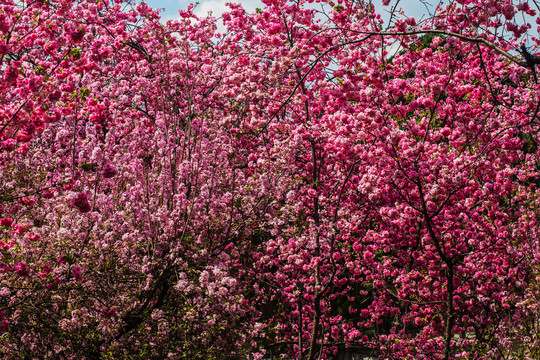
(419,9)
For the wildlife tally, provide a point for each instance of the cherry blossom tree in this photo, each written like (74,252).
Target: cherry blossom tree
(408,178)
(119,246)
(312,181)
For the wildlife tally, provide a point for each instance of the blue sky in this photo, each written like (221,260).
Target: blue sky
(412,7)
(216,6)
(171,6)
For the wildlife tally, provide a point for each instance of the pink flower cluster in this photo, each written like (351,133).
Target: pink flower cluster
(305,184)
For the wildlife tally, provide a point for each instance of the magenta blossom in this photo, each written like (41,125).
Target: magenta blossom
(22,269)
(109,171)
(81,202)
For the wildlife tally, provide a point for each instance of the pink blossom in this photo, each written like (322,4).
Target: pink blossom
(4,325)
(81,202)
(76,272)
(28,200)
(9,144)
(10,74)
(110,312)
(22,269)
(109,171)
(6,222)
